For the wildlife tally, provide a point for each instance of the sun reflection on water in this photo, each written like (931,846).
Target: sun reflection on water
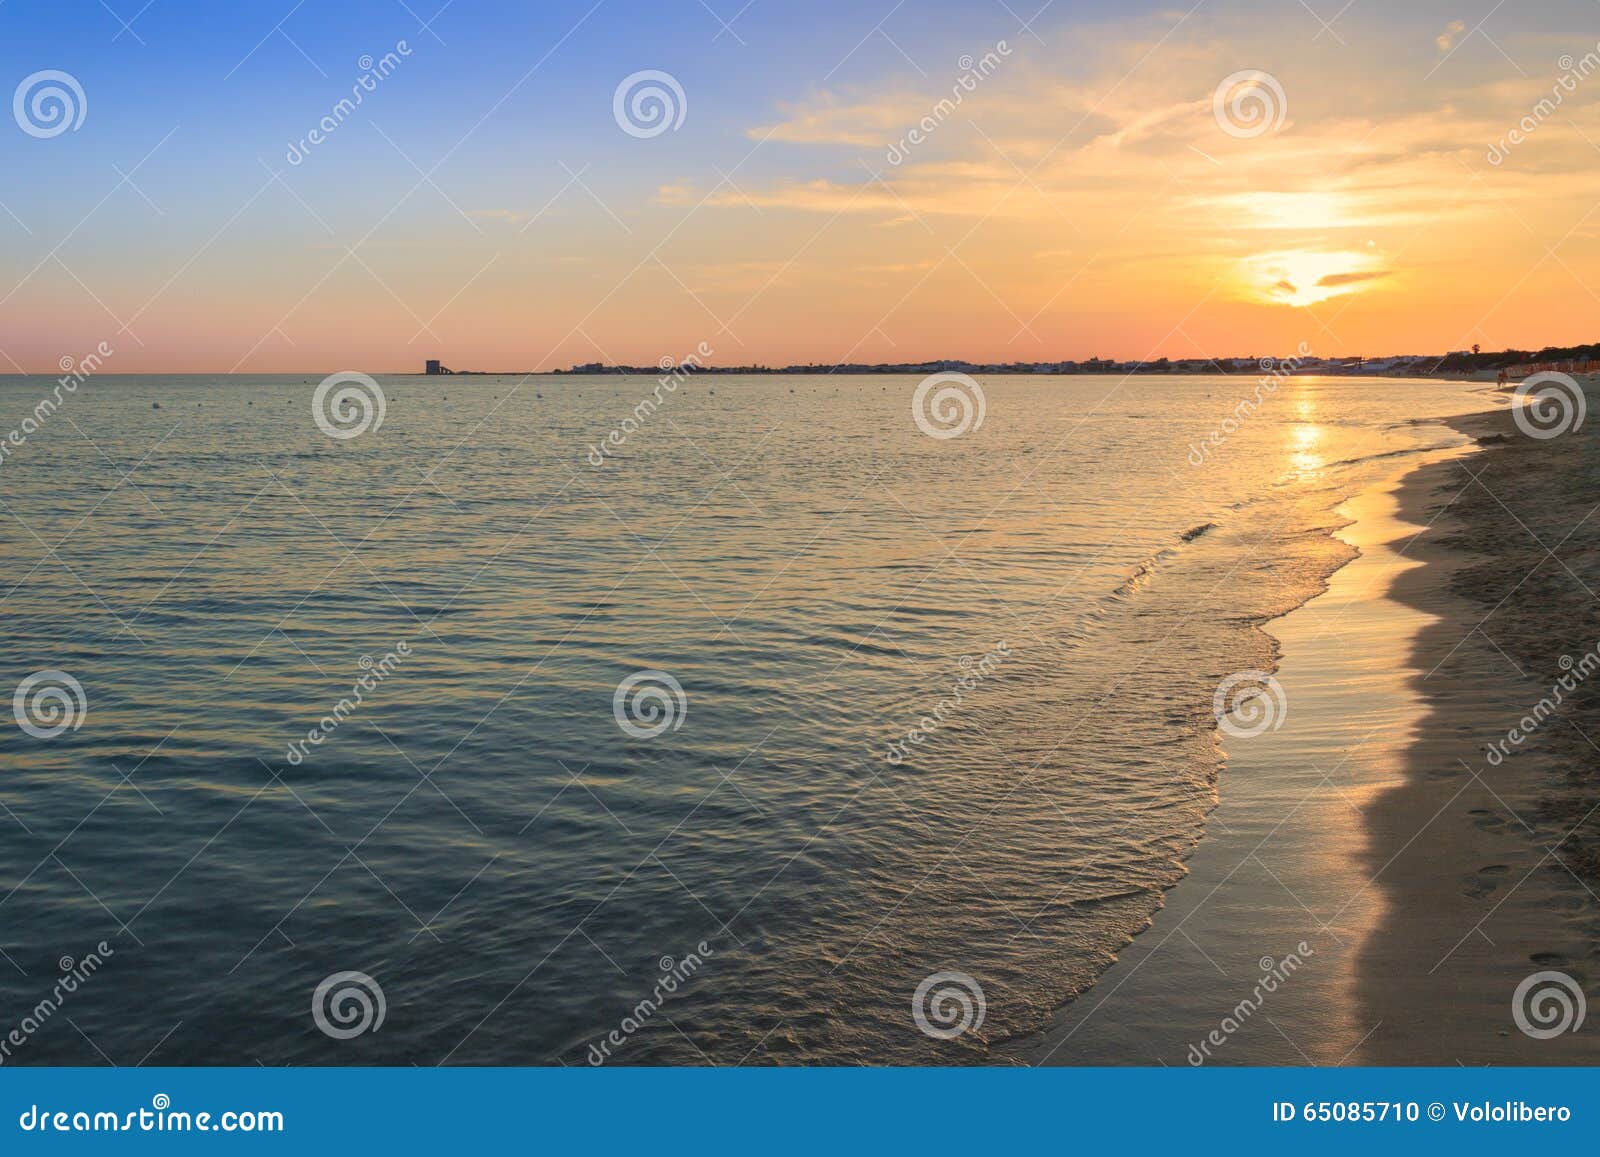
(1306,436)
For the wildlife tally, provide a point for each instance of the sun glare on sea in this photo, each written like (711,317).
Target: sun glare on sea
(1305,277)
(1304,440)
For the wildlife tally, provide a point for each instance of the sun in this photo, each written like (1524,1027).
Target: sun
(1303,277)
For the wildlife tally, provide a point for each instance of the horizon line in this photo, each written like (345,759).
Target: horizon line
(691,366)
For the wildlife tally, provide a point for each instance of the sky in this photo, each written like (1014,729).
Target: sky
(820,182)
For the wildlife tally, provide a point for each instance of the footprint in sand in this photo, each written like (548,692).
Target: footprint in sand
(1484,881)
(1486,820)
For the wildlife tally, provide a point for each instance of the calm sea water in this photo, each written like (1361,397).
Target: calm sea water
(1049,599)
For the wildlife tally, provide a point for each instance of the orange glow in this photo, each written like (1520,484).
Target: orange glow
(1302,277)
(1052,213)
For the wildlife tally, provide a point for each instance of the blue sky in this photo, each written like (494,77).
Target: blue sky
(544,232)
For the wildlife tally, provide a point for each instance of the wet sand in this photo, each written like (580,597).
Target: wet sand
(1370,889)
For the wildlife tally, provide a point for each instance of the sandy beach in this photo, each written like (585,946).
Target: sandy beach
(1371,888)
(1487,863)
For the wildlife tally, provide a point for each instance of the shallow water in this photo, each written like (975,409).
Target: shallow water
(1281,889)
(482,837)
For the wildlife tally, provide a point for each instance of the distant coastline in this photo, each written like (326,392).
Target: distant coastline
(1474,364)
(1460,363)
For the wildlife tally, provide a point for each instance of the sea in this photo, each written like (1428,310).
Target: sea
(597,720)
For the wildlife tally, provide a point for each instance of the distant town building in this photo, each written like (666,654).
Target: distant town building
(433,366)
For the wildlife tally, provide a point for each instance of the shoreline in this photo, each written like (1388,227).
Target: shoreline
(1371,889)
(1344,850)
(1274,896)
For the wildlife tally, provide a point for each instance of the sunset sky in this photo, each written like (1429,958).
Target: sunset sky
(484,206)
